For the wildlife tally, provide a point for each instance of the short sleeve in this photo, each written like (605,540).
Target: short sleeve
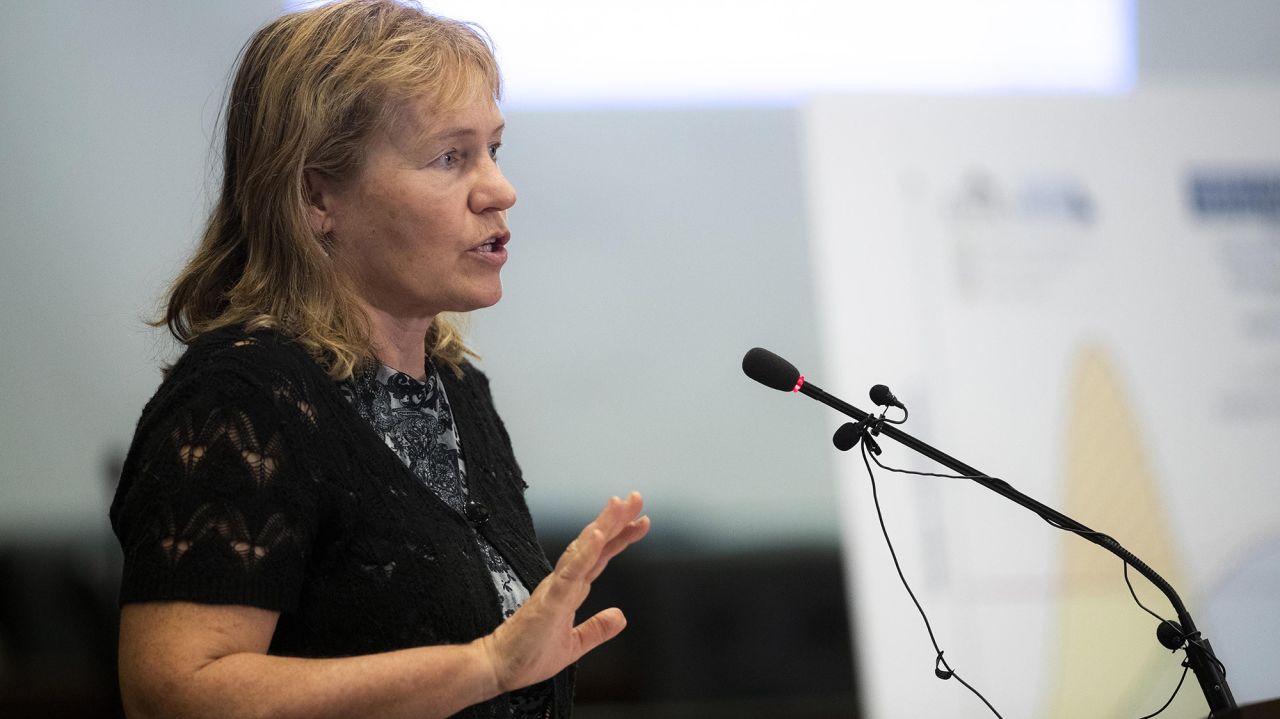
(217,502)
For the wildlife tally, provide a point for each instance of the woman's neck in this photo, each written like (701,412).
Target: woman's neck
(399,342)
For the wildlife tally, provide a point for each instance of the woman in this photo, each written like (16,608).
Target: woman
(320,513)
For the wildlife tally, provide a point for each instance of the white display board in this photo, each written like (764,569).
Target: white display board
(1080,295)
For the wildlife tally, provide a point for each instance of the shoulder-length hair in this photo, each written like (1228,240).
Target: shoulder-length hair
(310,88)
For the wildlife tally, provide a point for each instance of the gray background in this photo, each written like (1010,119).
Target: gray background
(651,248)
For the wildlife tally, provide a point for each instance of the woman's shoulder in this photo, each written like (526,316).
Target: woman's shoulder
(259,353)
(231,368)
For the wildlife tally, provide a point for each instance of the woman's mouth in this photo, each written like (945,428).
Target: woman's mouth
(494,243)
(495,249)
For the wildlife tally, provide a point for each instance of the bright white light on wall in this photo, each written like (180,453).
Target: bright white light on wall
(584,53)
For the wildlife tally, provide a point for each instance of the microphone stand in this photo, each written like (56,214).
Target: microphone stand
(1200,658)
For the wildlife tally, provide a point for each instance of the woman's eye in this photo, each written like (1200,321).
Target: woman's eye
(449,159)
(493,150)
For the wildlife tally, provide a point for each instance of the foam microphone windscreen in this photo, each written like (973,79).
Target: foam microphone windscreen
(881,395)
(847,436)
(770,370)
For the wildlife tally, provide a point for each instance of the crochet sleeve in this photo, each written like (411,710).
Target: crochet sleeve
(217,503)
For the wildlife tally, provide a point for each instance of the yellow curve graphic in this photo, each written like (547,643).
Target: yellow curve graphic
(1107,662)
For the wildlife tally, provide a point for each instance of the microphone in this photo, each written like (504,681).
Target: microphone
(884,398)
(1169,633)
(771,370)
(847,436)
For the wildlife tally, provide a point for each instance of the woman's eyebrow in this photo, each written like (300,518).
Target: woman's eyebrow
(461,132)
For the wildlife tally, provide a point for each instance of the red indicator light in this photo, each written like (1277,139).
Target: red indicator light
(799,384)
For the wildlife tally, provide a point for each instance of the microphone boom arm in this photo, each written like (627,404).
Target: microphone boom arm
(1200,658)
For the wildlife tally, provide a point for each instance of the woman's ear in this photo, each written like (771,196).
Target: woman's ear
(319,190)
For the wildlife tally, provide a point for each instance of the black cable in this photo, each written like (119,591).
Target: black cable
(1173,625)
(887,468)
(884,416)
(1162,620)
(1048,521)
(948,672)
(1185,667)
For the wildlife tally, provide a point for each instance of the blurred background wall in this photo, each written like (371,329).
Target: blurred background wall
(652,246)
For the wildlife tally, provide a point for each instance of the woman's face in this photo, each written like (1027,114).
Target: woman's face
(422,228)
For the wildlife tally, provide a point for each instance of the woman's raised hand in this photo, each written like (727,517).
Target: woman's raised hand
(540,639)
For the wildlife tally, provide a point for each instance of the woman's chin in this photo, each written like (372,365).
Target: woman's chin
(480,300)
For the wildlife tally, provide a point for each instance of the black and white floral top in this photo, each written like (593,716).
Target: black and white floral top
(415,421)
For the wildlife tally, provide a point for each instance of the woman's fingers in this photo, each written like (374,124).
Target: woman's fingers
(632,533)
(620,526)
(617,514)
(609,533)
(568,579)
(597,630)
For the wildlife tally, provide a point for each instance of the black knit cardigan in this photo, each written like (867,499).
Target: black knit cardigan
(252,481)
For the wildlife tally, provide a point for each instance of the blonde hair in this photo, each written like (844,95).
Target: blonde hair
(310,88)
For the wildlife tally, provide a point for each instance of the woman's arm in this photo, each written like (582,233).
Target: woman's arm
(179,659)
(197,660)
